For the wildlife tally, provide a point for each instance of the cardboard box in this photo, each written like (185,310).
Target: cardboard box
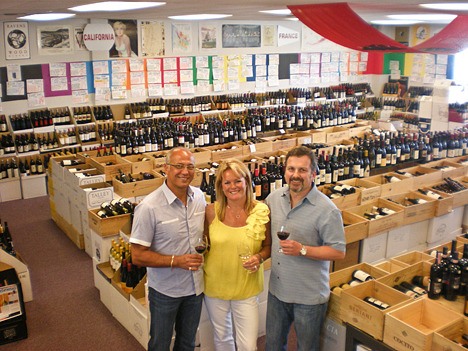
(414,212)
(369,191)
(106,226)
(418,234)
(102,281)
(138,188)
(88,176)
(374,248)
(22,271)
(384,223)
(139,314)
(440,228)
(397,241)
(100,246)
(10,189)
(450,337)
(93,195)
(367,317)
(411,327)
(405,184)
(344,276)
(355,227)
(333,335)
(33,186)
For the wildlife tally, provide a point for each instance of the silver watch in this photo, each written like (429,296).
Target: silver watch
(303,251)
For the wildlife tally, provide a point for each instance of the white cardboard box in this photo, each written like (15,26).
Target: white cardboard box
(101,245)
(104,286)
(397,241)
(417,234)
(10,189)
(333,335)
(374,248)
(440,228)
(139,326)
(120,308)
(34,186)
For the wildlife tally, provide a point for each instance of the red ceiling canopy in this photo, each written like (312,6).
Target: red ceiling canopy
(339,23)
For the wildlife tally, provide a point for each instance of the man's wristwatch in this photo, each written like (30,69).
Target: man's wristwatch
(303,251)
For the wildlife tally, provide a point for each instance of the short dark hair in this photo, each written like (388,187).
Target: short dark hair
(300,151)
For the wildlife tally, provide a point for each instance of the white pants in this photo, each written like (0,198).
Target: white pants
(244,314)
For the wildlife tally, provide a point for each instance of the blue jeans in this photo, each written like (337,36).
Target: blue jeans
(308,321)
(168,314)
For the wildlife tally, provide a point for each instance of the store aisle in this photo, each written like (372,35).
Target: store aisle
(66,313)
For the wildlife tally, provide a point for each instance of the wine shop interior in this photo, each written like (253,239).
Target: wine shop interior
(377,89)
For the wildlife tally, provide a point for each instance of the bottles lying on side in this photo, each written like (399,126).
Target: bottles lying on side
(376,303)
(378,212)
(115,208)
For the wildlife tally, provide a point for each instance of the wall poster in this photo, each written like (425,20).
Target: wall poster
(16,40)
(208,36)
(182,38)
(152,39)
(241,36)
(126,38)
(53,40)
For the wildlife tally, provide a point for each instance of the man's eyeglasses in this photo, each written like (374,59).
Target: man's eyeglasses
(180,166)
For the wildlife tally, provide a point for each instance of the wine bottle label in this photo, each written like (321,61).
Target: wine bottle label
(361,275)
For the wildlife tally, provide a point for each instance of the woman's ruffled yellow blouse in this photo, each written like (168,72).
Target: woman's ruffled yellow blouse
(225,278)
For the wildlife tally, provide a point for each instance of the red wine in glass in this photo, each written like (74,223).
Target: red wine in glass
(200,249)
(282,235)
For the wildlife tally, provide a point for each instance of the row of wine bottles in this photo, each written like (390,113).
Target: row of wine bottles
(6,241)
(120,260)
(115,207)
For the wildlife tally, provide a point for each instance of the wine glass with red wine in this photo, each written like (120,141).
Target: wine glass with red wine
(201,245)
(282,235)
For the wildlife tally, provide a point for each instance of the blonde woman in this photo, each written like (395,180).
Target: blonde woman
(122,40)
(232,286)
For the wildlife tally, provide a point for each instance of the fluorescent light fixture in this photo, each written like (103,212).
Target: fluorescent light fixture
(436,17)
(292,19)
(113,6)
(456,6)
(394,22)
(47,16)
(199,17)
(282,12)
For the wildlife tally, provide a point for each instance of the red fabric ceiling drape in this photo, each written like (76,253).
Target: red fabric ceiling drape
(339,23)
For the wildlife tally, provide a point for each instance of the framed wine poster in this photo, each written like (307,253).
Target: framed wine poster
(16,40)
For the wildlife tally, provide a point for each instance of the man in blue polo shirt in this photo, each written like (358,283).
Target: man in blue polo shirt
(299,282)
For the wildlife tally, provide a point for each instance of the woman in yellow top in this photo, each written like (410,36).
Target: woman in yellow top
(236,219)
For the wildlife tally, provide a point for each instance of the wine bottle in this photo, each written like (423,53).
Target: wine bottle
(435,279)
(453,281)
(257,184)
(361,275)
(413,287)
(431,194)
(377,303)
(391,179)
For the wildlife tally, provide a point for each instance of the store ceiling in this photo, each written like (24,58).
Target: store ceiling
(245,10)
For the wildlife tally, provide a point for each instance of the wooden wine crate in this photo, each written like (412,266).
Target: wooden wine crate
(414,212)
(356,228)
(158,157)
(403,186)
(369,191)
(106,226)
(110,166)
(263,146)
(201,155)
(423,175)
(140,187)
(336,134)
(412,326)
(391,266)
(406,274)
(345,201)
(359,131)
(344,276)
(413,257)
(312,136)
(385,223)
(351,257)
(450,337)
(229,150)
(139,163)
(282,142)
(460,198)
(367,317)
(442,206)
(453,169)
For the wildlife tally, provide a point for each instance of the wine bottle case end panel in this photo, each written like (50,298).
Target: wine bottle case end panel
(365,316)
(106,226)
